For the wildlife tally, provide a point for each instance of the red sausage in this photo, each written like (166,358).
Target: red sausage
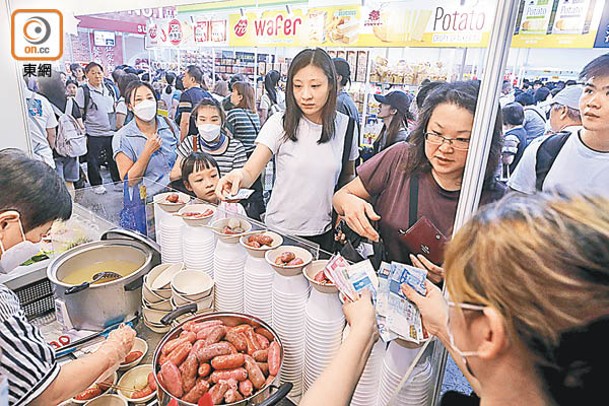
(269,380)
(264,332)
(211,351)
(237,339)
(254,373)
(138,394)
(151,381)
(188,369)
(274,358)
(204,332)
(215,335)
(297,261)
(132,356)
(263,342)
(241,328)
(246,388)
(195,326)
(252,342)
(172,379)
(264,367)
(204,370)
(240,374)
(217,392)
(228,361)
(232,396)
(178,355)
(188,336)
(88,394)
(196,392)
(261,355)
(170,346)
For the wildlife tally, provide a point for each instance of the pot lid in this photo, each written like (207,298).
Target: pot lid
(118,233)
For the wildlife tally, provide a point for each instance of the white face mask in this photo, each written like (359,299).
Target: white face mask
(451,338)
(18,254)
(145,110)
(209,132)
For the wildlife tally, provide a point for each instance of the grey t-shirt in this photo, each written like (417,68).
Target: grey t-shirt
(101,112)
(345,105)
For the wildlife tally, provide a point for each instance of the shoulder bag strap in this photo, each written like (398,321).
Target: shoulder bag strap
(413,202)
(546,155)
(346,149)
(247,113)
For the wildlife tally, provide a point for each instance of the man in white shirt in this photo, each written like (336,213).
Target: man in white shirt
(42,126)
(580,163)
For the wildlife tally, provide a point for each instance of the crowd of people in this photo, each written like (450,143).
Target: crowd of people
(524,304)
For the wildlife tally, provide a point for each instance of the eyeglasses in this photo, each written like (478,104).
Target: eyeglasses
(467,306)
(456,143)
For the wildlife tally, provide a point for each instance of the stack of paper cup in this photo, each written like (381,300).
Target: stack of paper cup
(258,277)
(228,275)
(366,391)
(289,297)
(324,323)
(164,209)
(198,244)
(396,363)
(171,239)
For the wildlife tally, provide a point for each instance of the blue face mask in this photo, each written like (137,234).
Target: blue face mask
(19,253)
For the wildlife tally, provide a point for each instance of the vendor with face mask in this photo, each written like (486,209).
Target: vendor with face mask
(32,197)
(145,147)
(212,138)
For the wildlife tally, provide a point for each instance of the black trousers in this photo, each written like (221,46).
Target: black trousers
(95,146)
(254,205)
(325,241)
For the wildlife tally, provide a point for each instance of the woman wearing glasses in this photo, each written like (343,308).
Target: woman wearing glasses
(529,319)
(433,162)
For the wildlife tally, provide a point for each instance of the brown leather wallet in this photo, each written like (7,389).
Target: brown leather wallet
(424,238)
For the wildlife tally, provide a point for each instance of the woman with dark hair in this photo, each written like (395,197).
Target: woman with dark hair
(170,95)
(123,115)
(394,111)
(71,88)
(273,98)
(310,128)
(32,198)
(430,166)
(243,123)
(53,89)
(77,73)
(145,147)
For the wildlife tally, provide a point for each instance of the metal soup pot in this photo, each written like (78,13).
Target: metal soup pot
(262,397)
(96,306)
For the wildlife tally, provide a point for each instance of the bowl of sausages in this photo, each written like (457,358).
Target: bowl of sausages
(258,244)
(228,358)
(288,260)
(171,202)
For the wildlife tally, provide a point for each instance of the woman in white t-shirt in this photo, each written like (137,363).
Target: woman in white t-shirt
(273,99)
(308,142)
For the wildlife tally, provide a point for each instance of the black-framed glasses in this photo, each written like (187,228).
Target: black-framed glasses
(456,143)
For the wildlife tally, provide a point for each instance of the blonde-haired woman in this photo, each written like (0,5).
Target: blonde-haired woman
(528,320)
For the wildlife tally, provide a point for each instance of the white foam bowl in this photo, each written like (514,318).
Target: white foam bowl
(154,316)
(165,304)
(161,200)
(218,225)
(107,400)
(112,379)
(138,345)
(131,379)
(288,270)
(259,252)
(196,208)
(163,279)
(192,285)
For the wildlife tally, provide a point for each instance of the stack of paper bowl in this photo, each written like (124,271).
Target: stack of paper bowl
(164,209)
(258,278)
(171,230)
(229,260)
(396,363)
(198,245)
(289,298)
(366,391)
(156,295)
(324,323)
(193,291)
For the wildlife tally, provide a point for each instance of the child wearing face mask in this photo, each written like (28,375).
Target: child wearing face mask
(200,174)
(145,147)
(212,138)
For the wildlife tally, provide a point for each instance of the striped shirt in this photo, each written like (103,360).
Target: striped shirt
(245,126)
(27,360)
(233,158)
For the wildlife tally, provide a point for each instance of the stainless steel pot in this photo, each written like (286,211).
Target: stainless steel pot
(97,306)
(264,397)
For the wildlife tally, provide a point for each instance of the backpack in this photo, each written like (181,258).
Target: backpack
(546,155)
(70,140)
(87,95)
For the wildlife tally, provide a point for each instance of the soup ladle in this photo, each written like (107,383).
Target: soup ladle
(96,278)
